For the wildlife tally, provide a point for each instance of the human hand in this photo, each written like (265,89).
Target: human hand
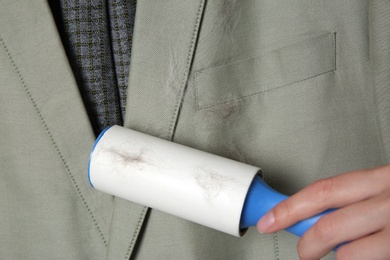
(363,217)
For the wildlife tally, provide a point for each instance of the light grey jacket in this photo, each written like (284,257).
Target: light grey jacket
(298,88)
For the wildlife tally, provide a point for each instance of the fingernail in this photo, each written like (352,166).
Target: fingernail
(266,222)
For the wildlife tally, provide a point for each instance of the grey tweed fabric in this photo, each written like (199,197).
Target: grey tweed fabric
(122,14)
(97,36)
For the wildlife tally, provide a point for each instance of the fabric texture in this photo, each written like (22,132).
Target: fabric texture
(97,37)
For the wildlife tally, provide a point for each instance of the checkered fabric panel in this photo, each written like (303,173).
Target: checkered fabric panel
(122,14)
(98,42)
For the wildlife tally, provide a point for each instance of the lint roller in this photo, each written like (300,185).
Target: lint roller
(207,189)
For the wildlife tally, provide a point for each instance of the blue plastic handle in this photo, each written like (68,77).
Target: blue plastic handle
(261,198)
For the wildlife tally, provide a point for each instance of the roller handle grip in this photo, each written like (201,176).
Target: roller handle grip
(261,198)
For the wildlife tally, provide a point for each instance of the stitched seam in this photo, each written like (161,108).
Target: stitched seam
(276,246)
(137,230)
(44,124)
(196,76)
(197,89)
(264,91)
(335,50)
(273,50)
(185,76)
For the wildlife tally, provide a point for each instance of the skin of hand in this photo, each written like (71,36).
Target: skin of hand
(362,219)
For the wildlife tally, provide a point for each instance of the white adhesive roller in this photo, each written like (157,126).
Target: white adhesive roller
(194,185)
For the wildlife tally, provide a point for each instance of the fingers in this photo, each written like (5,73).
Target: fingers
(375,246)
(334,192)
(363,217)
(347,224)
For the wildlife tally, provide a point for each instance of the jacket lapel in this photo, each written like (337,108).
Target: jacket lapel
(163,45)
(30,37)
(164,40)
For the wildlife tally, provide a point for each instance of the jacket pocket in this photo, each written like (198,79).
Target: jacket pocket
(278,68)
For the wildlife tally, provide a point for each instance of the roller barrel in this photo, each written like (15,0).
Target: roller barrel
(210,190)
